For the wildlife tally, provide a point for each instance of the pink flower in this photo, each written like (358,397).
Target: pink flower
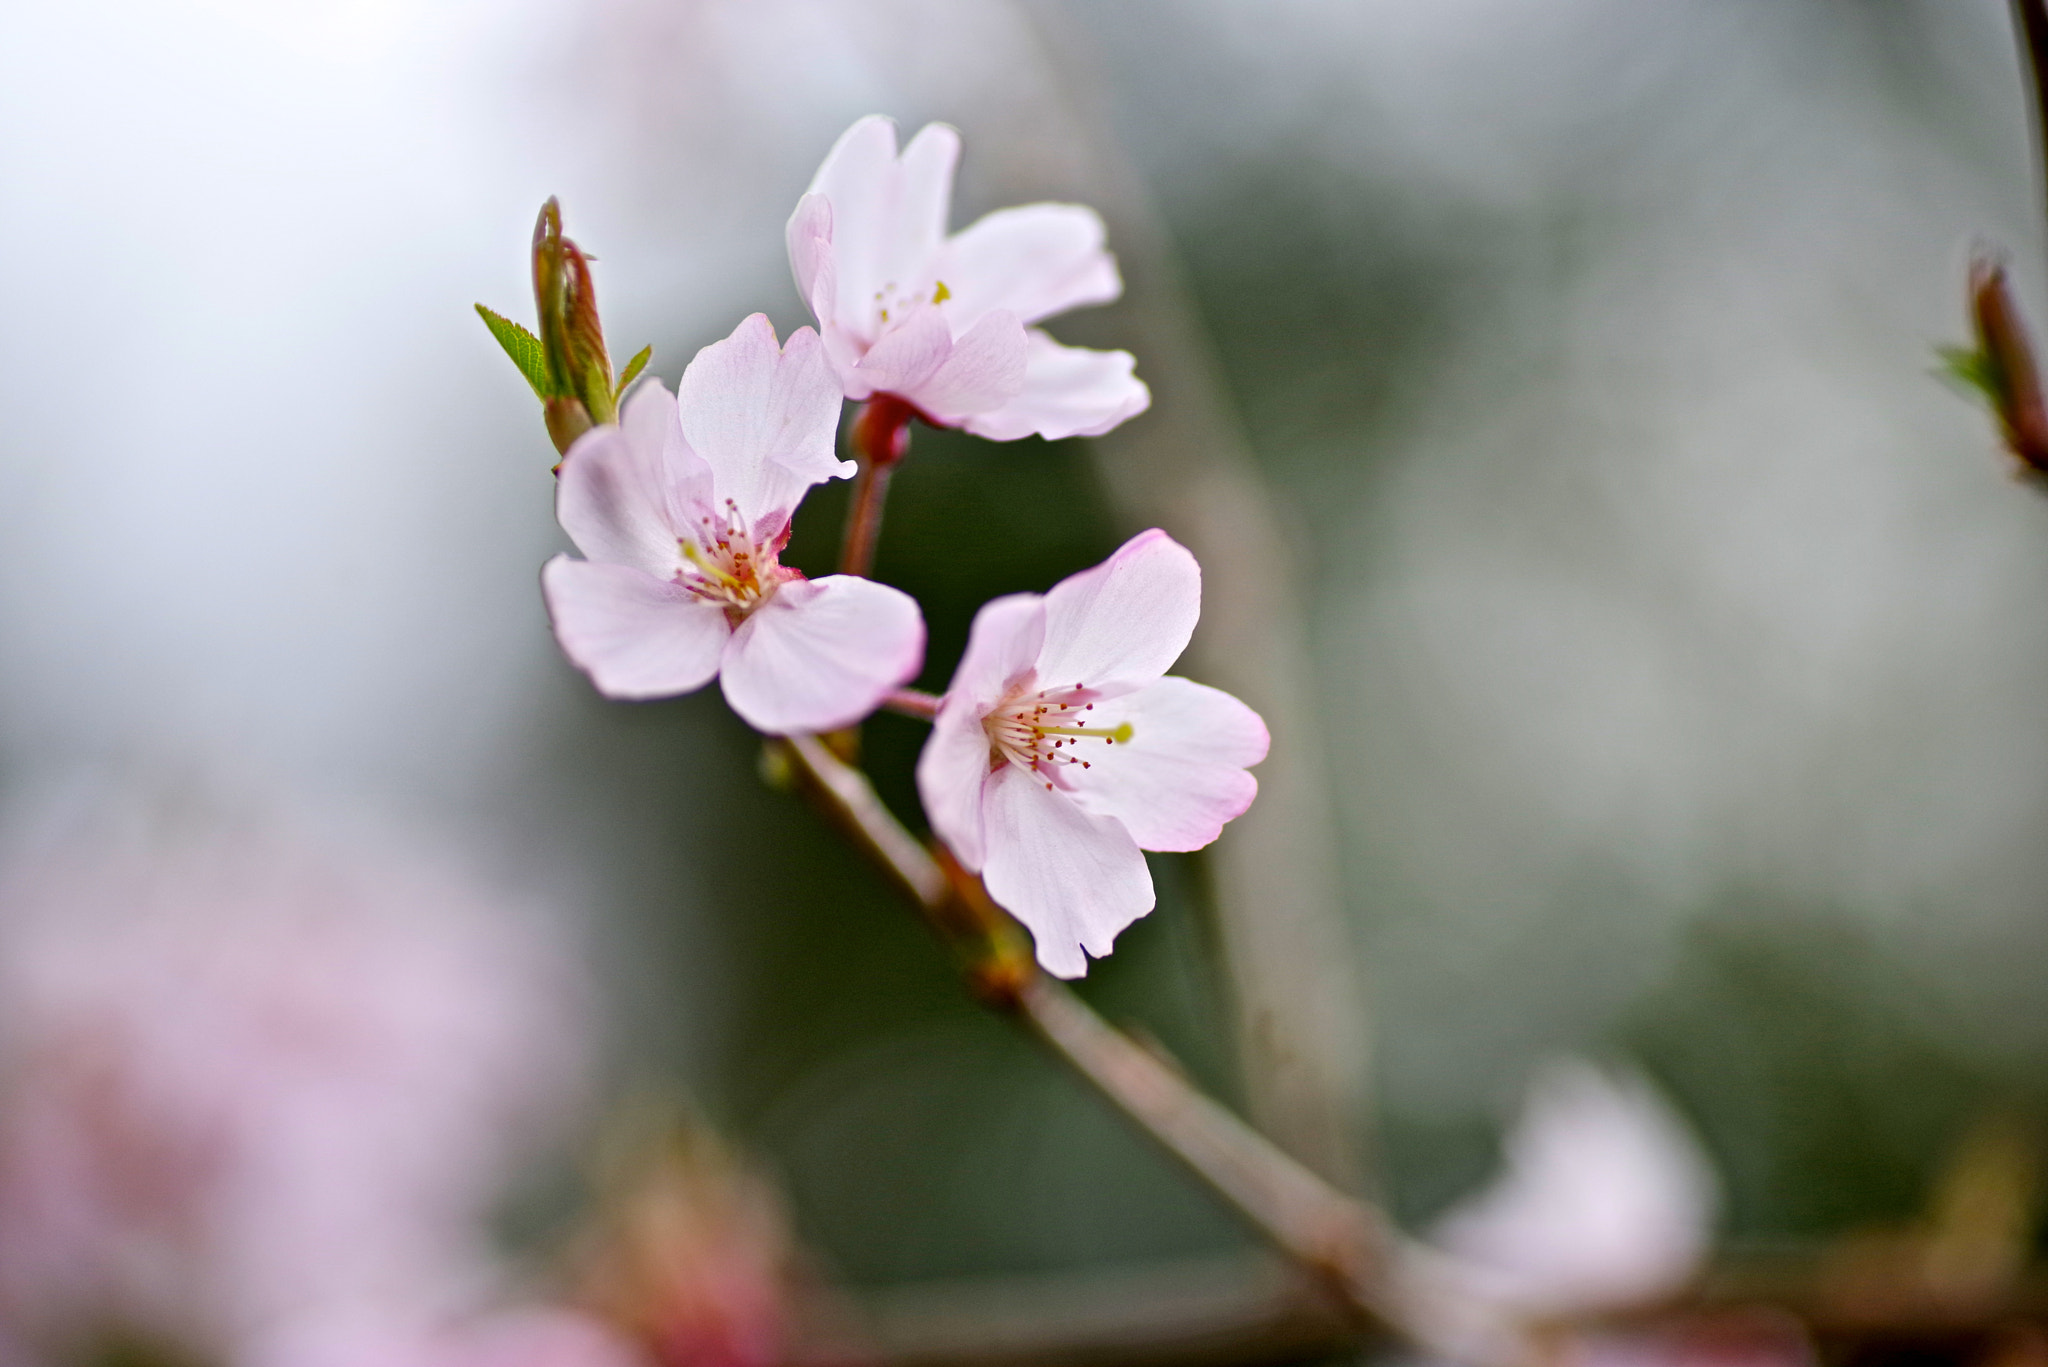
(941,322)
(516,1336)
(1058,752)
(682,510)
(1605,1200)
(251,1077)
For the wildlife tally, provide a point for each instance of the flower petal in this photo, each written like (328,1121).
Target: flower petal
(1181,773)
(951,770)
(888,214)
(905,356)
(1605,1199)
(1068,392)
(1035,260)
(634,635)
(926,196)
(822,653)
(855,178)
(1004,641)
(812,258)
(985,370)
(764,418)
(613,495)
(1124,622)
(1073,879)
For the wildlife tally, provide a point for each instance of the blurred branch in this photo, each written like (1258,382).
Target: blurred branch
(1300,1022)
(2032,19)
(1236,1310)
(1346,1245)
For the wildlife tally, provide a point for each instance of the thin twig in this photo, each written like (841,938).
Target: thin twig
(879,832)
(1298,1009)
(1346,1244)
(1332,1236)
(1235,1311)
(2032,18)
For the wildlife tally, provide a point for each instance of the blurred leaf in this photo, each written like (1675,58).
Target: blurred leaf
(633,369)
(524,348)
(1971,369)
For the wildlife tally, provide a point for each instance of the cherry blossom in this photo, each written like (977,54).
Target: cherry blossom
(944,322)
(1605,1200)
(1059,752)
(260,1078)
(682,510)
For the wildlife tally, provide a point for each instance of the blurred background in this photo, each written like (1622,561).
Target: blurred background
(1662,644)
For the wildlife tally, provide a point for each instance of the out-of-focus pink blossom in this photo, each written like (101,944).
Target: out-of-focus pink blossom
(249,1079)
(943,322)
(682,511)
(530,1336)
(1606,1200)
(1059,752)
(692,1253)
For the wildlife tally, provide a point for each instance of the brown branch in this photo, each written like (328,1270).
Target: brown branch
(1220,1312)
(854,801)
(1347,1247)
(2032,19)
(1335,1238)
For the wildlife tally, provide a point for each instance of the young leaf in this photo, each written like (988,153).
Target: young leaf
(523,347)
(1970,369)
(633,369)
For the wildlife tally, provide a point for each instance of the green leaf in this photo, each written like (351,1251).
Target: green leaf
(633,369)
(523,347)
(1971,369)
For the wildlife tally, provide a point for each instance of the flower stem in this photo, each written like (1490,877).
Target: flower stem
(913,702)
(881,438)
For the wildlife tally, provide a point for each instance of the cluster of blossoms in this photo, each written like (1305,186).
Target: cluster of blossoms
(1061,749)
(261,1090)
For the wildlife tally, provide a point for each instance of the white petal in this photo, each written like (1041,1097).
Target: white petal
(1073,879)
(763,418)
(1004,641)
(613,495)
(984,370)
(634,635)
(1035,260)
(1124,622)
(1068,392)
(812,259)
(927,194)
(951,770)
(855,177)
(1605,1200)
(1180,774)
(888,214)
(822,653)
(904,357)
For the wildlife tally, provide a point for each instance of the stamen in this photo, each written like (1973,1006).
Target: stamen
(726,567)
(1039,732)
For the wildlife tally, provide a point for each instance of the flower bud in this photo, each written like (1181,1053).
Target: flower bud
(567,364)
(570,333)
(691,1253)
(2002,366)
